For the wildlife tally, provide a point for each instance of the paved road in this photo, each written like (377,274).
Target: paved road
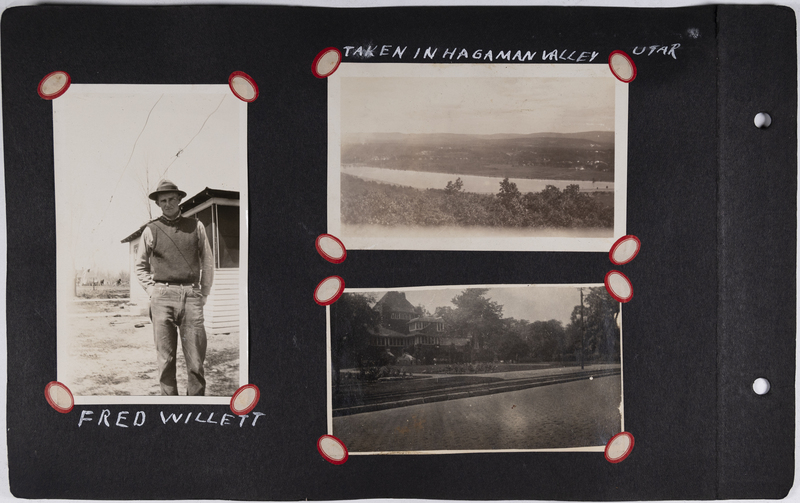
(515,374)
(575,414)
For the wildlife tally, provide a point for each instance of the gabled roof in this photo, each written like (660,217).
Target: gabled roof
(429,329)
(395,301)
(196,200)
(427,319)
(136,234)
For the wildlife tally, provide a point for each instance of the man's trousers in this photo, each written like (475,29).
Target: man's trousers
(173,309)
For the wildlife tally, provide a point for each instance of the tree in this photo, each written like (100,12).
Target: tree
(353,321)
(601,336)
(509,194)
(513,347)
(474,316)
(454,188)
(548,340)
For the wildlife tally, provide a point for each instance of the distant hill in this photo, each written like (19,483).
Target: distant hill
(585,155)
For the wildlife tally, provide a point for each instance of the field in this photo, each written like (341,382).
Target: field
(102,291)
(541,172)
(109,350)
(551,156)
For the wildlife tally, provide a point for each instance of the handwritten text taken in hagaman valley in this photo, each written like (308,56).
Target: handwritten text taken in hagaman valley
(456,54)
(126,419)
(369,51)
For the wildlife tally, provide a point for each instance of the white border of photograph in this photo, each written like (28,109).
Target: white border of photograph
(64,252)
(329,381)
(397,70)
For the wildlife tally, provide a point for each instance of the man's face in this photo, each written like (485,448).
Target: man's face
(169,202)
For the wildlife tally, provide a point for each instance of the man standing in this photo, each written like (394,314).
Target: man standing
(176,267)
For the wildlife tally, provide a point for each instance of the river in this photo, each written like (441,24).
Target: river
(479,184)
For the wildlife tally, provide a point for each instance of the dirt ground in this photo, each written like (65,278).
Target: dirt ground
(104,352)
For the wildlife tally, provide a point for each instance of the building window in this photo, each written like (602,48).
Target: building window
(228,235)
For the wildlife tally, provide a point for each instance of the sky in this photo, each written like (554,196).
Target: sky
(532,303)
(490,105)
(112,145)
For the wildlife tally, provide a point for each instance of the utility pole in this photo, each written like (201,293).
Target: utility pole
(583,328)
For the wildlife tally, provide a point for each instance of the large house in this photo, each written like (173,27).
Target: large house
(219,212)
(404,330)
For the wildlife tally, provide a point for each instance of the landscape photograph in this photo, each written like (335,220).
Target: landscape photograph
(477,157)
(475,368)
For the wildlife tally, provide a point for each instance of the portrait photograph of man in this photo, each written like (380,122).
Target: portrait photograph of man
(176,268)
(151,284)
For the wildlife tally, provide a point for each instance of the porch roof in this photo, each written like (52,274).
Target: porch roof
(196,200)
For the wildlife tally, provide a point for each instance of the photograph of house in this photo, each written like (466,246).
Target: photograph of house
(477,368)
(412,337)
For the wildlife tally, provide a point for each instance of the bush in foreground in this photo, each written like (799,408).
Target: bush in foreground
(368,202)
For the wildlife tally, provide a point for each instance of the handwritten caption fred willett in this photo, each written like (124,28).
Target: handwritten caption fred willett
(127,419)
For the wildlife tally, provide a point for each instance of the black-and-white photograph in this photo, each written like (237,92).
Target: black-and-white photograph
(475,368)
(151,243)
(509,157)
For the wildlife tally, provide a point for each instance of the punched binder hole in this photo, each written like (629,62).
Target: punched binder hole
(762,120)
(761,386)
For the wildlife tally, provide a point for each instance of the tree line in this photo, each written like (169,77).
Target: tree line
(592,330)
(494,336)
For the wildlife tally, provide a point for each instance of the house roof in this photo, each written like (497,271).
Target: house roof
(387,332)
(194,201)
(135,235)
(395,301)
(206,194)
(428,330)
(427,319)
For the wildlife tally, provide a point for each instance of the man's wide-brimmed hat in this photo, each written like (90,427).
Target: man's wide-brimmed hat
(166,186)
